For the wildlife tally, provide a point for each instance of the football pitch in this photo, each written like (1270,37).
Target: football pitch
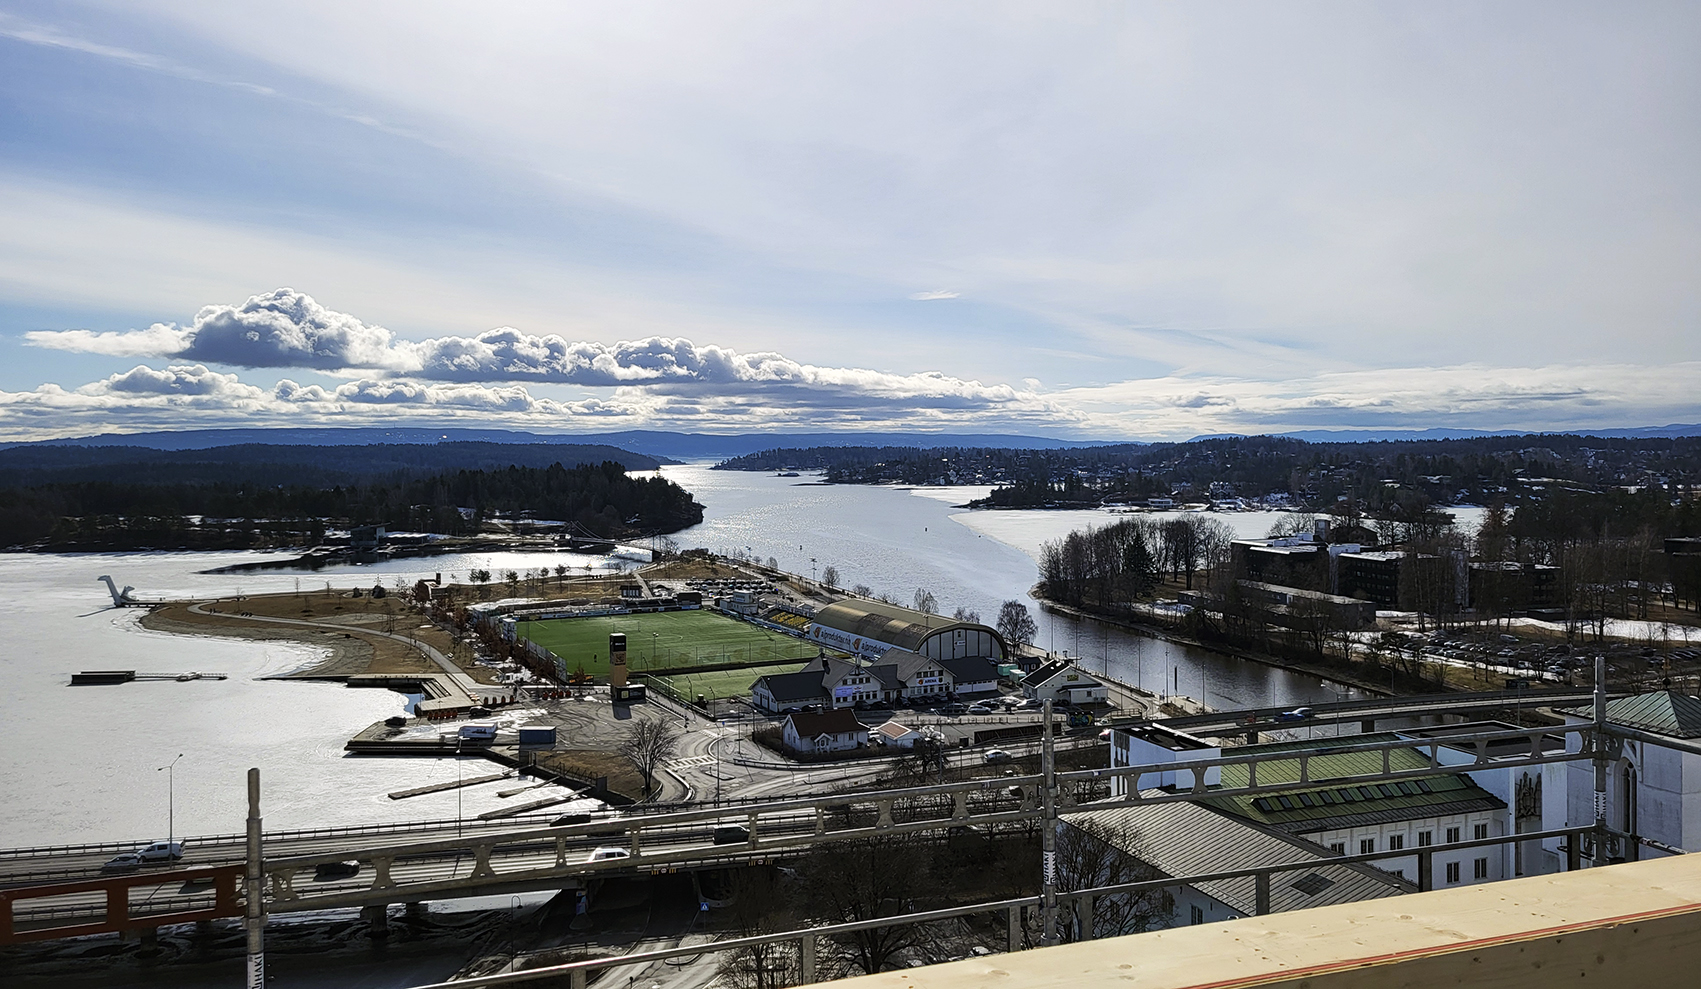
(717,684)
(666,640)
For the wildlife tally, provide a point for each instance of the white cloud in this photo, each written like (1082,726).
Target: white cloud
(934,296)
(288,329)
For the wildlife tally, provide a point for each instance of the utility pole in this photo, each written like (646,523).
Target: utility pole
(253,891)
(170,799)
(1048,836)
(1600,760)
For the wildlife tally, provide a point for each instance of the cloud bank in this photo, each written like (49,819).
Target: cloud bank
(664,382)
(289,329)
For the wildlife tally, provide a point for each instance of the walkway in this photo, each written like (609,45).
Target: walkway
(460,690)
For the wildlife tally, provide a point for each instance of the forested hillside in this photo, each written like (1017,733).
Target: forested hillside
(602,498)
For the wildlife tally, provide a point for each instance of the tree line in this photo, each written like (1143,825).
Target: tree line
(602,498)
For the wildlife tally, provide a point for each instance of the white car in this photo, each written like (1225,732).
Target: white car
(996,755)
(606,853)
(161,851)
(128,862)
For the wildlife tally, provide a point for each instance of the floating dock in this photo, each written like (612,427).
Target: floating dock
(97,678)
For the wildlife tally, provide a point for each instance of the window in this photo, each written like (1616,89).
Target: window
(1366,846)
(1196,915)
(1452,872)
(1481,832)
(1400,872)
(1452,835)
(1338,847)
(1396,842)
(1426,838)
(1479,869)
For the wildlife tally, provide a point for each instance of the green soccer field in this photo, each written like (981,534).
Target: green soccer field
(719,684)
(667,640)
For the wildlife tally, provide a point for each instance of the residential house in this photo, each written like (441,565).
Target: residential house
(827,731)
(1064,682)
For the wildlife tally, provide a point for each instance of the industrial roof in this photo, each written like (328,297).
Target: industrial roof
(905,628)
(1183,838)
(1318,806)
(1664,711)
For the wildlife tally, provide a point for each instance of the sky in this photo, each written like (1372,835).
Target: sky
(1084,220)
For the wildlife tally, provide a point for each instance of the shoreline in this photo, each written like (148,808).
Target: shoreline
(1159,632)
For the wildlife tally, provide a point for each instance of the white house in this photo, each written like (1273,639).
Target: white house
(829,731)
(894,735)
(1064,682)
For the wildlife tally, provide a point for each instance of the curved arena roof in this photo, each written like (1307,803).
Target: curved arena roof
(905,628)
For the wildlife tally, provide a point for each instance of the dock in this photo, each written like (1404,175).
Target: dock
(518,809)
(100,678)
(420,791)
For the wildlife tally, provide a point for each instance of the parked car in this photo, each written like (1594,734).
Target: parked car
(606,853)
(161,851)
(1031,703)
(954,709)
(128,862)
(996,756)
(731,834)
(980,709)
(336,870)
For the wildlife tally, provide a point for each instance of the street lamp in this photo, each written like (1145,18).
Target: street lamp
(170,798)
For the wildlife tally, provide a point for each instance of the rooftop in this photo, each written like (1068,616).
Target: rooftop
(1183,839)
(1317,806)
(1664,711)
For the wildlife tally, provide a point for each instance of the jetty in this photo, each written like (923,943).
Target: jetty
(420,791)
(99,678)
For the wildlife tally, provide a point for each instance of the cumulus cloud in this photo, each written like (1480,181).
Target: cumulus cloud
(289,329)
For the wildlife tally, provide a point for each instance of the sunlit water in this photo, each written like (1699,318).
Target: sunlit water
(84,763)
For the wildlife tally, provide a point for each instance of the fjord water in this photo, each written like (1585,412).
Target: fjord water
(83,763)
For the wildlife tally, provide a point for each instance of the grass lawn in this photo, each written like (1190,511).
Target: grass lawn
(722,683)
(663,640)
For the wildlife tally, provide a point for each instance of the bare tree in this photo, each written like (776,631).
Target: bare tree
(830,575)
(865,879)
(1292,524)
(1092,853)
(649,742)
(925,601)
(966,615)
(1015,624)
(754,912)
(863,591)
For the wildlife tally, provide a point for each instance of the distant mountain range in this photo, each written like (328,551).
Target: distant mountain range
(663,445)
(1393,435)
(672,446)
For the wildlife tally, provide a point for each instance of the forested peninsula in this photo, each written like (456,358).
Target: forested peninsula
(246,513)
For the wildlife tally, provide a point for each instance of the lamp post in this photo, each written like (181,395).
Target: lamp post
(170,798)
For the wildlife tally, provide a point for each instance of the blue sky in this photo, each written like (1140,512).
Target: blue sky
(1117,220)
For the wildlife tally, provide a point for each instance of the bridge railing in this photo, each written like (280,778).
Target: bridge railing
(1076,903)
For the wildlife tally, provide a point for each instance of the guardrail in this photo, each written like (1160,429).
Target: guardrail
(1078,903)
